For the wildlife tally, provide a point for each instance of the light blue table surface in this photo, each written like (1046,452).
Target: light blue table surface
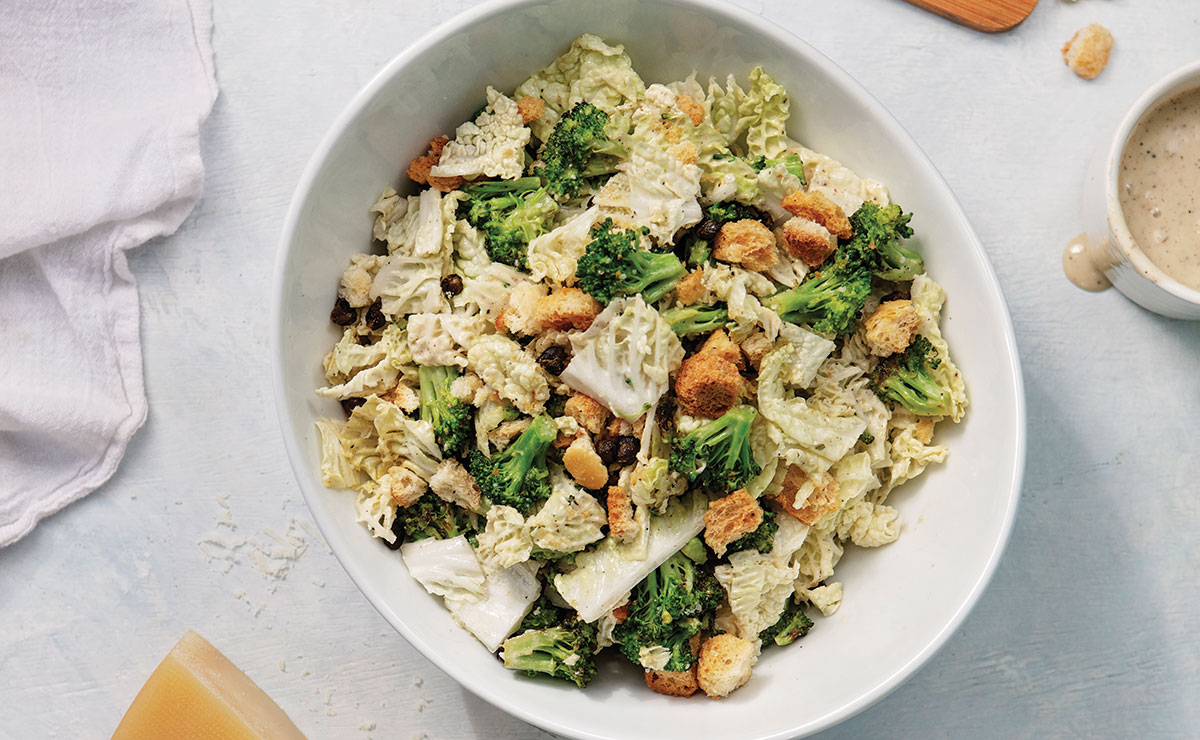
(1091,627)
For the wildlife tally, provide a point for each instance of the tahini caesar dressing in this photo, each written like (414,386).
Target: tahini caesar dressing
(1159,186)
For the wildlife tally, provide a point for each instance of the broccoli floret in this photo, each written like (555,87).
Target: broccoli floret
(880,230)
(566,651)
(761,539)
(668,608)
(578,149)
(614,264)
(517,476)
(450,417)
(698,319)
(830,300)
(543,614)
(510,213)
(431,516)
(906,379)
(717,456)
(791,162)
(791,626)
(866,438)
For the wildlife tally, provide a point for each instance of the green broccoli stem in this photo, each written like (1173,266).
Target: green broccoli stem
(653,274)
(688,320)
(449,417)
(830,301)
(566,652)
(517,476)
(717,456)
(499,187)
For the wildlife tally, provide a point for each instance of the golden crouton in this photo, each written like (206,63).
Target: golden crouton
(567,308)
(814,206)
(584,465)
(691,108)
(673,683)
(747,243)
(729,518)
(403,396)
(707,385)
(520,313)
(453,483)
(924,431)
(691,288)
(531,108)
(808,241)
(685,151)
(891,327)
(402,485)
(418,169)
(1087,51)
(725,664)
(719,344)
(590,413)
(621,524)
(822,501)
(503,435)
(755,347)
(621,613)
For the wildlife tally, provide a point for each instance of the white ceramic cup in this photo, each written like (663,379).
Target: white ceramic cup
(1111,247)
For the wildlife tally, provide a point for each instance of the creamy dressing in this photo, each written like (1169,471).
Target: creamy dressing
(1081,265)
(1159,187)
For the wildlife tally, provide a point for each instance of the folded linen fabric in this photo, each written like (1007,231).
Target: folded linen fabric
(99,148)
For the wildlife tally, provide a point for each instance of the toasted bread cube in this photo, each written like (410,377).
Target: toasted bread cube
(453,483)
(1087,51)
(621,524)
(566,308)
(808,241)
(815,206)
(725,664)
(691,288)
(673,683)
(707,385)
(403,396)
(821,501)
(584,465)
(729,518)
(530,108)
(402,485)
(437,144)
(520,314)
(418,169)
(924,430)
(590,413)
(691,108)
(891,327)
(719,344)
(747,243)
(755,347)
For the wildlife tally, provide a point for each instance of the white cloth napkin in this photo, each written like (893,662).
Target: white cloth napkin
(100,110)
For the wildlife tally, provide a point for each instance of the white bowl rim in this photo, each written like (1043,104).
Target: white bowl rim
(1159,92)
(768,28)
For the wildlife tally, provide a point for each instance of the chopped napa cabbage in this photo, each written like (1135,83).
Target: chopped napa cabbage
(509,371)
(604,576)
(590,71)
(653,484)
(625,358)
(826,598)
(336,470)
(816,558)
(375,509)
(759,585)
(740,289)
(511,593)
(928,298)
(493,145)
(438,338)
(487,292)
(569,521)
(829,176)
(820,439)
(554,255)
(505,540)
(753,123)
(446,568)
(378,436)
(406,285)
(811,352)
(908,456)
(389,209)
(653,657)
(391,356)
(775,184)
(470,251)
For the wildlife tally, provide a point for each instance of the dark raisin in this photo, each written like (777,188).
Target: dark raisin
(342,314)
(398,530)
(627,450)
(614,479)
(607,449)
(452,285)
(553,360)
(350,404)
(665,413)
(708,229)
(375,318)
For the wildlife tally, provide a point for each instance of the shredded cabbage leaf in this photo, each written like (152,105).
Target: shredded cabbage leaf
(928,298)
(569,521)
(493,145)
(446,568)
(505,540)
(510,372)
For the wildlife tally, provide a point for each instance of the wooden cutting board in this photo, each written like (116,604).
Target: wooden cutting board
(991,16)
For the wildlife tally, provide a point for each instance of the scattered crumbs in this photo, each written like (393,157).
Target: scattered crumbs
(316,691)
(921,519)
(179,502)
(318,583)
(417,680)
(304,674)
(329,698)
(226,518)
(282,666)
(239,594)
(312,532)
(423,702)
(330,713)
(366,726)
(419,736)
(273,553)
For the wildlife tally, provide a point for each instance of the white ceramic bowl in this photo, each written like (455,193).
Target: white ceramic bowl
(901,601)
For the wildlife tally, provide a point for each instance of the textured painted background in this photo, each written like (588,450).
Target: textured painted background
(1087,630)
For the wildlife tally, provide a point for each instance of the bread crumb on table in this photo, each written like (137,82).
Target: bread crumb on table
(1087,51)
